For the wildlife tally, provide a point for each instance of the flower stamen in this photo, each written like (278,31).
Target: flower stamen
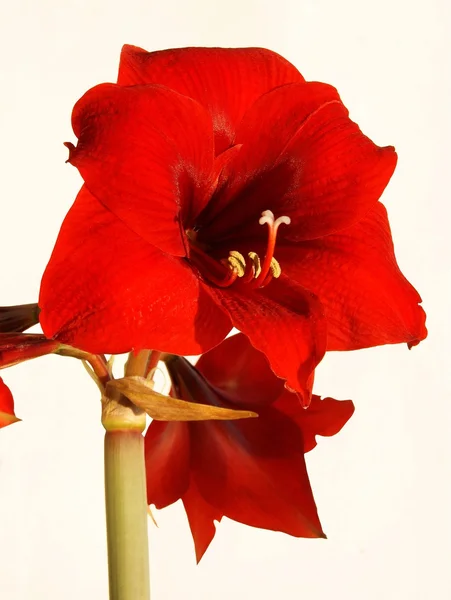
(226,271)
(226,281)
(255,264)
(275,269)
(236,262)
(220,273)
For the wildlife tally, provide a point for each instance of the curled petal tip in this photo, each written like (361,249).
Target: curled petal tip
(417,340)
(304,396)
(71,148)
(305,399)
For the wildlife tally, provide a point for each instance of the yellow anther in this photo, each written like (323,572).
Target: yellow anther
(255,263)
(237,262)
(237,255)
(275,268)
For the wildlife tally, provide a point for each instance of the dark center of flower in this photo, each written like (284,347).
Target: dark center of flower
(250,269)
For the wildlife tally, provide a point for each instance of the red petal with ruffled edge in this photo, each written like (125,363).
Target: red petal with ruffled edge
(146,153)
(106,290)
(226,81)
(252,471)
(323,417)
(7,416)
(236,462)
(302,157)
(248,376)
(286,323)
(366,298)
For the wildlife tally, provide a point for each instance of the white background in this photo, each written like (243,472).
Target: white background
(383,485)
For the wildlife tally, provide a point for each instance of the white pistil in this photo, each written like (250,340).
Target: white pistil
(268,218)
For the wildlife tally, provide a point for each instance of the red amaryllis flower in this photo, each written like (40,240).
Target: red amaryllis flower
(7,415)
(252,471)
(201,166)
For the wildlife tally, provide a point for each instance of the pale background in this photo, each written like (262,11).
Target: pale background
(383,485)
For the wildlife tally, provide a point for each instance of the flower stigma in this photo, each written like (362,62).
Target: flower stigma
(270,267)
(252,269)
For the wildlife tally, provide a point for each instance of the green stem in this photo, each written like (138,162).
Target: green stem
(125,490)
(126,513)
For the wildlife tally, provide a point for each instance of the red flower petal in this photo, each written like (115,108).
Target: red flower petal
(7,416)
(303,157)
(254,472)
(355,275)
(106,290)
(323,417)
(201,517)
(283,321)
(225,81)
(167,452)
(236,367)
(146,153)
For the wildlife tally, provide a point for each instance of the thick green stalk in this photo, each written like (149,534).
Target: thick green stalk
(125,492)
(126,514)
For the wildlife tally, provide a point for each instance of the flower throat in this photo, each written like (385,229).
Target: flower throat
(251,269)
